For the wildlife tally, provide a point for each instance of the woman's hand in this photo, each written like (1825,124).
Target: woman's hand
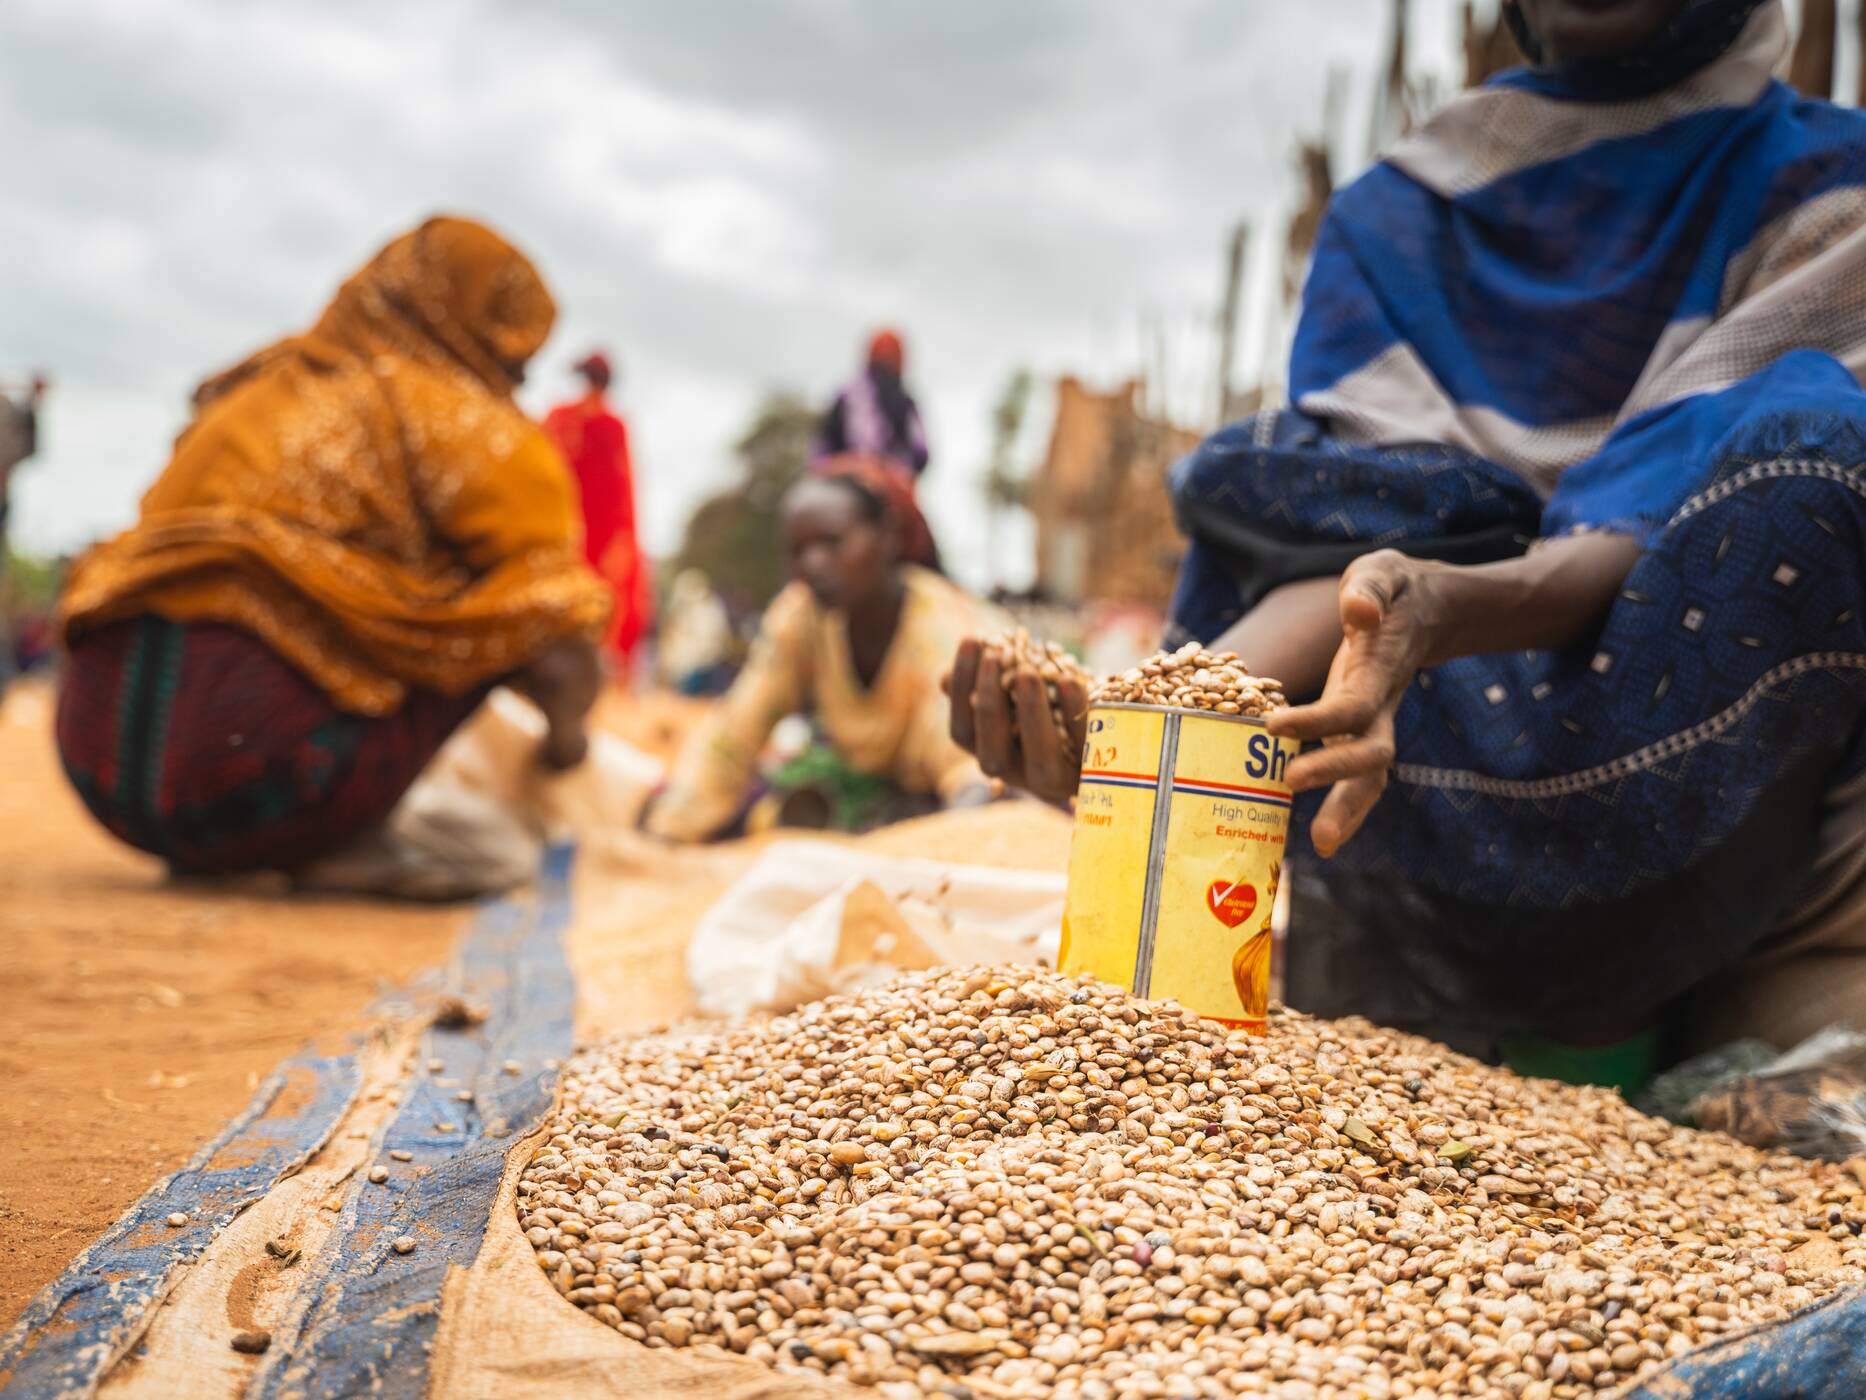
(564,747)
(563,682)
(1399,614)
(1388,632)
(1014,736)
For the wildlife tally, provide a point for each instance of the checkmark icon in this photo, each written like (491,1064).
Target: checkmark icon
(1231,903)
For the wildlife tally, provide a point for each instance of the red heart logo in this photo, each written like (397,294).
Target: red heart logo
(1231,902)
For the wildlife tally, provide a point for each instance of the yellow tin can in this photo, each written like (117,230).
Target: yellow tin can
(1181,821)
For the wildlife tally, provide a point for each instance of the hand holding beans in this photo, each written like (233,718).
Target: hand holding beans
(1021,706)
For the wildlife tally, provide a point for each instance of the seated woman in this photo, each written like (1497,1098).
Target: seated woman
(858,641)
(1609,307)
(357,537)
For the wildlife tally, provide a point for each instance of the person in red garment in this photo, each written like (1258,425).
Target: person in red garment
(594,440)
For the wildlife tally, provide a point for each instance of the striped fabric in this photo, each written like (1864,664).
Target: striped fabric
(196,743)
(1563,287)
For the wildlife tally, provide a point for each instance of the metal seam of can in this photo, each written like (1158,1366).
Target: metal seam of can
(1156,855)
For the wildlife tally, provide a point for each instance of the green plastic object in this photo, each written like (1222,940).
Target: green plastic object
(1625,1065)
(854,798)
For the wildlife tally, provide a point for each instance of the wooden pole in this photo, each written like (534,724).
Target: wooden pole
(1228,316)
(1859,20)
(1158,409)
(1489,46)
(1811,70)
(1334,105)
(1388,117)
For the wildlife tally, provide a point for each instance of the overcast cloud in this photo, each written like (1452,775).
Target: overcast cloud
(728,194)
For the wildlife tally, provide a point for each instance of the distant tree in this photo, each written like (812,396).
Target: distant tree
(31,584)
(732,536)
(1005,487)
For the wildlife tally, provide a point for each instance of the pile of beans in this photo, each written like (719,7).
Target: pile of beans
(998,1183)
(1194,679)
(1019,653)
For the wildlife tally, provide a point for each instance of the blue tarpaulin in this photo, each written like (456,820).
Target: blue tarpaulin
(365,1314)
(1818,1354)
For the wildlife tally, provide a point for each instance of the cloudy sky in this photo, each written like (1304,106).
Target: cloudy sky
(727,192)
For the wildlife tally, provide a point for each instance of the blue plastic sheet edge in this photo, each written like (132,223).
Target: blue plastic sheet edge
(1817,1354)
(86,1318)
(369,1314)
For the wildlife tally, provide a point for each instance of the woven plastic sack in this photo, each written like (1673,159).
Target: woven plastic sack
(812,917)
(1811,1101)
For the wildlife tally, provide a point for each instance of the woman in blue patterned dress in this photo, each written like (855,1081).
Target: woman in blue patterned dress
(1564,536)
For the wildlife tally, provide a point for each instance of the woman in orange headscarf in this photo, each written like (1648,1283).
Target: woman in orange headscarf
(356,538)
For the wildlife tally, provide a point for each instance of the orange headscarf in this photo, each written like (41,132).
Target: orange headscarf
(887,352)
(893,486)
(365,497)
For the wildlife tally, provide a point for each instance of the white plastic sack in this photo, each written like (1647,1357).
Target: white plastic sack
(812,917)
(495,754)
(476,822)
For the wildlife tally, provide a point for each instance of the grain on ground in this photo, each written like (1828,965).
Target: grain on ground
(1025,1185)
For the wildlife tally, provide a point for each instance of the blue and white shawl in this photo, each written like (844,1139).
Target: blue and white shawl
(1561,284)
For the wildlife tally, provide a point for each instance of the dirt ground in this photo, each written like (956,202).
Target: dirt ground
(140,1014)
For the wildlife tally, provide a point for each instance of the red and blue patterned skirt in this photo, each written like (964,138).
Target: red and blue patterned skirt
(197,743)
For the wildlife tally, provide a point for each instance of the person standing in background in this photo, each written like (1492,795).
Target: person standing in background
(875,416)
(19,439)
(594,441)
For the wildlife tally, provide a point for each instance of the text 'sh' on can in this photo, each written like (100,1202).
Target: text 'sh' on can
(1181,823)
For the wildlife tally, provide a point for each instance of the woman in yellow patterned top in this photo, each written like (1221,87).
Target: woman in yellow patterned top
(859,641)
